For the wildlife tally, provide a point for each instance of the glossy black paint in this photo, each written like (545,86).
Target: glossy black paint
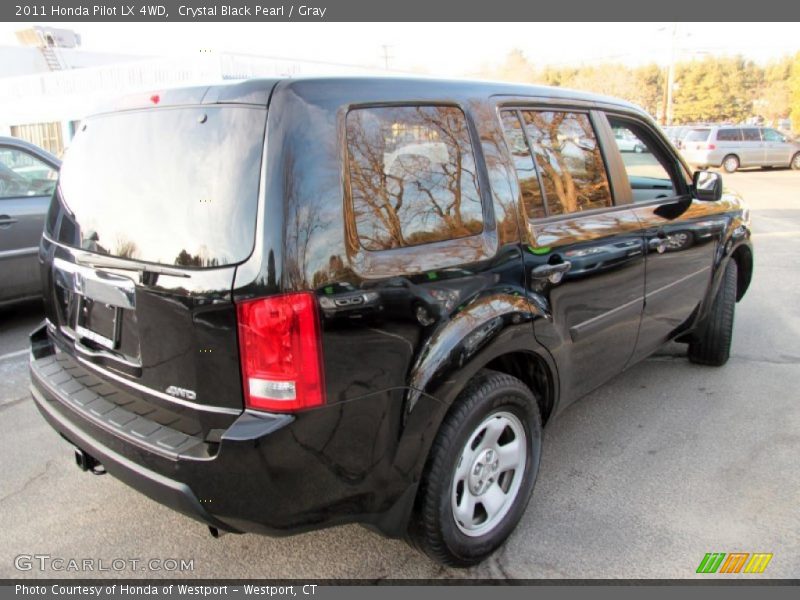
(403,329)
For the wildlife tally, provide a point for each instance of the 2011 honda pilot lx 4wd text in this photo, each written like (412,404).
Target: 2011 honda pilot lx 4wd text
(283,305)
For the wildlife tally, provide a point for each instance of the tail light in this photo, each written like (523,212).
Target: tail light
(281,353)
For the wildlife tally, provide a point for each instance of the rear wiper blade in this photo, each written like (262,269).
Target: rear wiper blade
(111,262)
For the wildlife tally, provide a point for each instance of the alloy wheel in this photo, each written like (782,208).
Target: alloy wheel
(489,473)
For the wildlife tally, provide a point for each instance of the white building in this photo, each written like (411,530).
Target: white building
(48,84)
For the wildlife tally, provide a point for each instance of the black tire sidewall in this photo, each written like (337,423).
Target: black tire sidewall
(472,549)
(712,346)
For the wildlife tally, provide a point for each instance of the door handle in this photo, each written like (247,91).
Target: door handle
(6,221)
(659,244)
(553,273)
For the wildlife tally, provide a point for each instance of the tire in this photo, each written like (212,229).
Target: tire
(712,345)
(730,163)
(795,164)
(464,471)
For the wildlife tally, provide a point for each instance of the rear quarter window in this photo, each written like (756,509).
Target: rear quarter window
(697,135)
(412,176)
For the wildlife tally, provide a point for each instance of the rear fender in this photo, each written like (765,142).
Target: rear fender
(495,323)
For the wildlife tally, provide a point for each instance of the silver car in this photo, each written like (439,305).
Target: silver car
(731,147)
(28,177)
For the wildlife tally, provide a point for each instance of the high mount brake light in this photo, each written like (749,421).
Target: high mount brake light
(281,352)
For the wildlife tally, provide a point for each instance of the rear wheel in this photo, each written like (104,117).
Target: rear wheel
(480,473)
(680,240)
(712,344)
(795,164)
(730,163)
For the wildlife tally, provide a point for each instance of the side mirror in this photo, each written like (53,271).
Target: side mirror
(707,186)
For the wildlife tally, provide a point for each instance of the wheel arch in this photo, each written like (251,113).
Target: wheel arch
(535,372)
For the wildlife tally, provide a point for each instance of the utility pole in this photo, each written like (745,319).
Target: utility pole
(671,75)
(386,56)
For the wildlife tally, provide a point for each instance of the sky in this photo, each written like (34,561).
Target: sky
(440,48)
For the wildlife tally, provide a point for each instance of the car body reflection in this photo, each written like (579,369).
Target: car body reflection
(345,301)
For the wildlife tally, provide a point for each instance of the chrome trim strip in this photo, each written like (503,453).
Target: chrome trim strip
(89,352)
(163,396)
(19,252)
(585,327)
(676,282)
(97,285)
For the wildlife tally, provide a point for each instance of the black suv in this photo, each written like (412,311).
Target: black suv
(280,305)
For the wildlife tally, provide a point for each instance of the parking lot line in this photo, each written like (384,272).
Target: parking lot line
(14,354)
(777,234)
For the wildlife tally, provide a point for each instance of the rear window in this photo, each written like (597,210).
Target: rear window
(697,135)
(729,135)
(174,186)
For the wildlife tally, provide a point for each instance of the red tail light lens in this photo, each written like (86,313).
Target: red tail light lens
(281,353)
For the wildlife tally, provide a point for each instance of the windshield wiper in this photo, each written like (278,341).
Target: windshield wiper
(112,262)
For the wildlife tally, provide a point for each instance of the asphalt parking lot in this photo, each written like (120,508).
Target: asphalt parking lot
(639,480)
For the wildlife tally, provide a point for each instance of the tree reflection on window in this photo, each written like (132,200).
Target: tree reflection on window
(569,161)
(412,176)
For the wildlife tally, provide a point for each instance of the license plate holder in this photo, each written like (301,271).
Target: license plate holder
(98,322)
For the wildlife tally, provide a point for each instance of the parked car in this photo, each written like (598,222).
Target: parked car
(186,349)
(732,147)
(627,143)
(675,133)
(27,179)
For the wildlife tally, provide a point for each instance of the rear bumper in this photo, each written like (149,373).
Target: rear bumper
(266,473)
(174,494)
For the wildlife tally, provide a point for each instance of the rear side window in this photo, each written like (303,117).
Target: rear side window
(751,135)
(697,135)
(568,160)
(412,176)
(729,135)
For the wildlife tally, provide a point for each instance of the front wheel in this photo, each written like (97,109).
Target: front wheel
(480,473)
(712,344)
(795,164)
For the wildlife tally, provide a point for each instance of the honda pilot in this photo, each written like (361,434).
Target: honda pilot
(281,305)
